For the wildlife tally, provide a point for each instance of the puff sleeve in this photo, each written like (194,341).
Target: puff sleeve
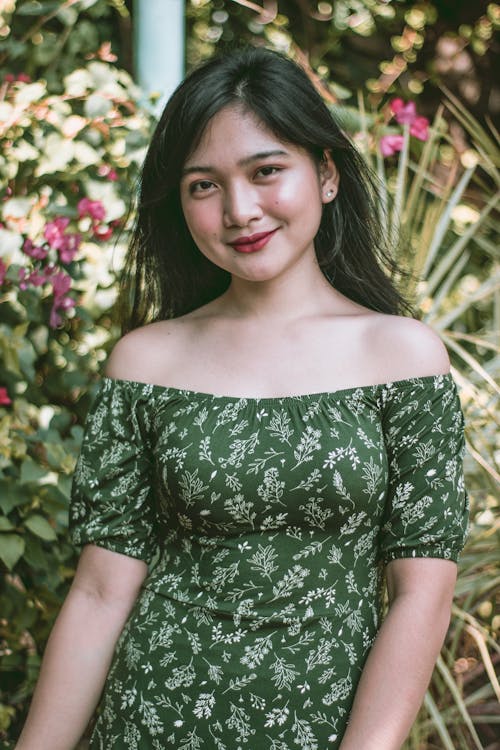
(426,507)
(112,503)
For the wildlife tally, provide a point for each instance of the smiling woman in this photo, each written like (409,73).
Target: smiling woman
(274,444)
(166,275)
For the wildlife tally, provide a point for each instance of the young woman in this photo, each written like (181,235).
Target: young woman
(273,437)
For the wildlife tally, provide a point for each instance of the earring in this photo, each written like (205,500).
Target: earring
(329,193)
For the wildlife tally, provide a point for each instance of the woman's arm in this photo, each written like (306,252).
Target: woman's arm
(401,661)
(80,649)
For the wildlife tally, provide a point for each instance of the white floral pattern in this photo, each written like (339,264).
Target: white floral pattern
(267,524)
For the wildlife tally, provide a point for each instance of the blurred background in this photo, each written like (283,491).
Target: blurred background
(415,84)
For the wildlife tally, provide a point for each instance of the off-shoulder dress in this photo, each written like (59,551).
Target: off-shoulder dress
(267,523)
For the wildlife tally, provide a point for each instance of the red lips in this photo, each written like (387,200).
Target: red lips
(253,242)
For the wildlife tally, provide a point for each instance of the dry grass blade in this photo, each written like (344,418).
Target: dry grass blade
(471,361)
(483,292)
(472,126)
(445,672)
(490,670)
(438,722)
(457,248)
(443,222)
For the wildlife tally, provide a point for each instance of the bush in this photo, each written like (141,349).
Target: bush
(67,166)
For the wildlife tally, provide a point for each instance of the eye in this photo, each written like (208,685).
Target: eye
(267,171)
(202,186)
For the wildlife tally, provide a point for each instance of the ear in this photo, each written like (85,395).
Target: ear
(328,177)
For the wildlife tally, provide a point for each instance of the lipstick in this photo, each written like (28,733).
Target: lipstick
(252,243)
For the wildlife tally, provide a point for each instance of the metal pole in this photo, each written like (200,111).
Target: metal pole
(159,47)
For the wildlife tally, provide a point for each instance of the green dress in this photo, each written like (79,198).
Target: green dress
(266,523)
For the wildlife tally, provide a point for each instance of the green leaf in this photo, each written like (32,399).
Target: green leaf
(55,455)
(31,472)
(11,496)
(39,526)
(5,524)
(11,549)
(36,556)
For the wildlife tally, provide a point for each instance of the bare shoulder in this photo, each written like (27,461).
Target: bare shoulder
(406,347)
(138,354)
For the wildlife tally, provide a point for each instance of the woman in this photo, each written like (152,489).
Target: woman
(273,437)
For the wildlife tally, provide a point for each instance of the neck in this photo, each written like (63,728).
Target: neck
(299,293)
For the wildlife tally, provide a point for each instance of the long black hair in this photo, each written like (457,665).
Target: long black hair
(165,275)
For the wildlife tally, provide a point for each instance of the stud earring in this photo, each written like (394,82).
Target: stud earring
(329,193)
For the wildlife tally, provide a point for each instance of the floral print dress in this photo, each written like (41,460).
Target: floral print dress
(267,523)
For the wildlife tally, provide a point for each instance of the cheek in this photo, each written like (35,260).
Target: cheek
(300,195)
(201,221)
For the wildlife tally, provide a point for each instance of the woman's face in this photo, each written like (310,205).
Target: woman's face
(252,202)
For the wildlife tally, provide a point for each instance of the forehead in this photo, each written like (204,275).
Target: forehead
(233,132)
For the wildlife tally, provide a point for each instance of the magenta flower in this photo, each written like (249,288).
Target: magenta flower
(61,283)
(54,231)
(66,244)
(404,113)
(3,271)
(419,128)
(69,247)
(94,209)
(391,144)
(33,279)
(34,251)
(4,397)
(407,114)
(106,171)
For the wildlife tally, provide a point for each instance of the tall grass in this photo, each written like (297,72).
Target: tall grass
(444,215)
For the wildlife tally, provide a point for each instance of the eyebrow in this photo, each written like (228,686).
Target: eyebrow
(242,163)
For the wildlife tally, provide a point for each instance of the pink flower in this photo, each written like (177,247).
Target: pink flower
(404,113)
(391,144)
(94,209)
(54,231)
(4,398)
(66,244)
(69,247)
(419,128)
(34,251)
(103,232)
(34,278)
(106,171)
(3,271)
(407,114)
(37,279)
(56,319)
(61,283)
(24,78)
(22,275)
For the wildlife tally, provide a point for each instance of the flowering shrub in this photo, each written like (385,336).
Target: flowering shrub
(68,164)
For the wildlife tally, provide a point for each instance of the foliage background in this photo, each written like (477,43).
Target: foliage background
(73,128)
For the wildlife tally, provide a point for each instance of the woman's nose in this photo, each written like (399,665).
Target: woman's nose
(241,206)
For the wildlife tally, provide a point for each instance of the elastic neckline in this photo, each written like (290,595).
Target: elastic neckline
(339,393)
